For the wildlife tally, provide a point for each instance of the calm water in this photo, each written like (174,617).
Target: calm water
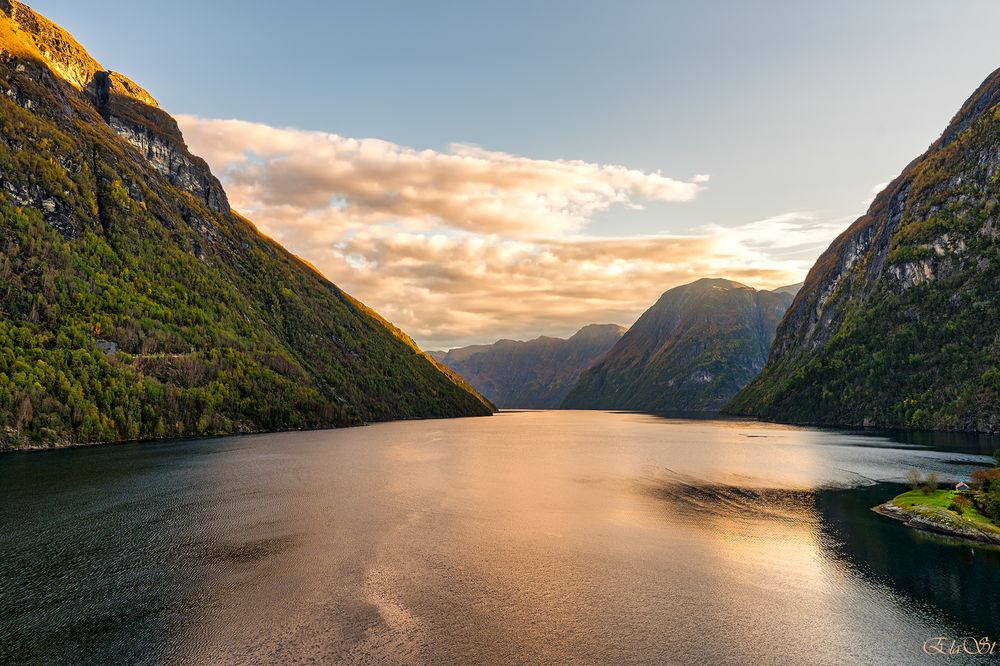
(538,537)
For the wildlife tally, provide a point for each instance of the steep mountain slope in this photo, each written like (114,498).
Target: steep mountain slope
(536,374)
(692,350)
(898,323)
(134,303)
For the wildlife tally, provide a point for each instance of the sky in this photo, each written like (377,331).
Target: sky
(477,171)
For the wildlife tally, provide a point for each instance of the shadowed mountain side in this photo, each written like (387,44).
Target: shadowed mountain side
(898,323)
(692,350)
(536,374)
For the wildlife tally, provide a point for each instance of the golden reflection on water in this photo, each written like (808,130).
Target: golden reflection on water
(556,534)
(548,537)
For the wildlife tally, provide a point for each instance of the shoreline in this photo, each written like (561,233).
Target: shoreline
(871,427)
(925,524)
(241,433)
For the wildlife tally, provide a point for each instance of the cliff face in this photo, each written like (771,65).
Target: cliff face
(134,116)
(692,350)
(134,303)
(536,374)
(896,324)
(39,45)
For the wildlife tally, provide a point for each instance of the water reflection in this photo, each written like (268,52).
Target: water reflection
(958,578)
(537,537)
(979,443)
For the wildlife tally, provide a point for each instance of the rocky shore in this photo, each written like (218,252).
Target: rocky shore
(938,523)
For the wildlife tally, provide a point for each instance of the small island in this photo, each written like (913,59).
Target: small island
(969,511)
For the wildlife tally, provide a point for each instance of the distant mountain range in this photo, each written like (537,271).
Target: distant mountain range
(898,323)
(135,304)
(536,374)
(790,289)
(693,349)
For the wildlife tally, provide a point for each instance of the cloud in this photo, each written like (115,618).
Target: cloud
(450,290)
(788,237)
(466,187)
(472,245)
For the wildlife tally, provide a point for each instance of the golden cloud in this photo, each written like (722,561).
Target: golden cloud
(466,188)
(472,245)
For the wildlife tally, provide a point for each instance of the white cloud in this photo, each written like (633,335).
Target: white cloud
(471,245)
(786,237)
(467,187)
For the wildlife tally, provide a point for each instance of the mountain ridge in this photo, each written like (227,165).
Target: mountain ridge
(691,350)
(137,305)
(896,323)
(531,374)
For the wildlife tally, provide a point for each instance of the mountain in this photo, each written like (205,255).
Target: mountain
(898,323)
(692,350)
(536,374)
(790,289)
(135,304)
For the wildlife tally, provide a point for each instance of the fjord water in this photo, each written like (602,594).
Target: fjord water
(533,537)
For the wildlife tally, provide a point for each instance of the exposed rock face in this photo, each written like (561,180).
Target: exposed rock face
(168,155)
(39,36)
(136,304)
(59,216)
(128,109)
(134,115)
(536,374)
(896,324)
(692,350)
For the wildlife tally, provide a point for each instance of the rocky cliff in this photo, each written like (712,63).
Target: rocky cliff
(897,323)
(43,51)
(135,304)
(692,350)
(536,374)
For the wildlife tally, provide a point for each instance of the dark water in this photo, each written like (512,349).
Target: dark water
(549,537)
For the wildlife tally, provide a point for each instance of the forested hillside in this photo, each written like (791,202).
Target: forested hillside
(135,304)
(692,350)
(898,323)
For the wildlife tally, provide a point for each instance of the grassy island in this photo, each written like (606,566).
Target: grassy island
(971,511)
(946,507)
